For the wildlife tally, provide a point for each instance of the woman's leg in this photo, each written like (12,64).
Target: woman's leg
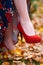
(15,29)
(25,26)
(21,6)
(8,37)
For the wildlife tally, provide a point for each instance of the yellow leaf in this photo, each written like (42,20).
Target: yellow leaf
(41,64)
(41,28)
(5,56)
(18,51)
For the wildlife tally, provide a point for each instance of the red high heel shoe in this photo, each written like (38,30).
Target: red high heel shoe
(29,39)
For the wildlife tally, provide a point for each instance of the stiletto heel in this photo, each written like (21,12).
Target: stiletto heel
(29,39)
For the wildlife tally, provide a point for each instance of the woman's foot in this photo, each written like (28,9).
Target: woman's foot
(27,26)
(27,30)
(9,44)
